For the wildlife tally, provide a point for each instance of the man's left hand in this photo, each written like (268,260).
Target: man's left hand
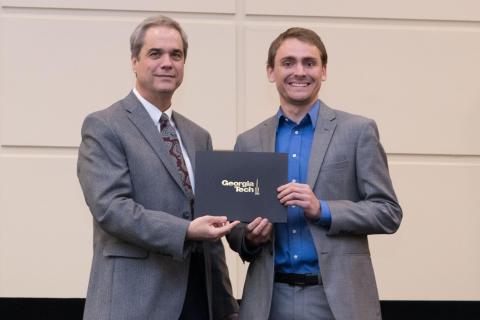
(299,194)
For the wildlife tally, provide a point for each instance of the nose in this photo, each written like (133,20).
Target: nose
(299,69)
(166,61)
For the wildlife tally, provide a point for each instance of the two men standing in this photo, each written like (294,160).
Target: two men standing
(153,260)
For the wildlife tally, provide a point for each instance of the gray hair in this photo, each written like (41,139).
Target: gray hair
(138,35)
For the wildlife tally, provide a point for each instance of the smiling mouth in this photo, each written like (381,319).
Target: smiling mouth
(299,84)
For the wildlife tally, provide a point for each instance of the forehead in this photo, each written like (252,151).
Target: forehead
(292,47)
(163,38)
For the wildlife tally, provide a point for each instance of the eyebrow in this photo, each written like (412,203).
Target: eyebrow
(301,58)
(176,50)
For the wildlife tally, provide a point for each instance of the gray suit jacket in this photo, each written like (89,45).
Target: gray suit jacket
(347,168)
(141,214)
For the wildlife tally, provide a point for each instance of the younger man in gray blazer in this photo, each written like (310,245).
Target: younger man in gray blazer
(317,265)
(152,259)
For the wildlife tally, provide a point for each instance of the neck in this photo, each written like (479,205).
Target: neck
(296,112)
(162,101)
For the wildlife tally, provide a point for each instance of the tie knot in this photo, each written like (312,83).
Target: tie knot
(164,120)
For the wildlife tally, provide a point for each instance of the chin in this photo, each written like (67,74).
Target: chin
(301,98)
(301,101)
(165,90)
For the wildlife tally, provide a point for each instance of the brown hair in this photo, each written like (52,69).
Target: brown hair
(302,34)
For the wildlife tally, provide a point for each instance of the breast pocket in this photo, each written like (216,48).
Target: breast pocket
(337,165)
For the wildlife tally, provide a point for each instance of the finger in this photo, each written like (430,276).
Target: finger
(289,185)
(294,187)
(298,192)
(266,231)
(252,225)
(283,187)
(221,231)
(217,219)
(299,203)
(301,196)
(301,185)
(290,196)
(234,223)
(258,230)
(221,225)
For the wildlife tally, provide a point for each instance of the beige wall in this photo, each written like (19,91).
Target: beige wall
(412,66)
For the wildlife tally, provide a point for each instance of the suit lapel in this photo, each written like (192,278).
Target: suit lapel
(140,118)
(324,129)
(268,134)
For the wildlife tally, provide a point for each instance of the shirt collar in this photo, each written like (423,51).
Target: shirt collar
(153,111)
(312,114)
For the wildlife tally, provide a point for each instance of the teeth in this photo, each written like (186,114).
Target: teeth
(296,84)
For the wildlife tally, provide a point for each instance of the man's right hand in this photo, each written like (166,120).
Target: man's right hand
(258,232)
(209,228)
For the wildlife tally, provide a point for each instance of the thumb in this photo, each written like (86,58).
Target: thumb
(234,223)
(217,219)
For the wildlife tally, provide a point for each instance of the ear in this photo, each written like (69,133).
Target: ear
(324,73)
(134,61)
(270,74)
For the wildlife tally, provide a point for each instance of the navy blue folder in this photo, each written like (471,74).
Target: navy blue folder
(240,185)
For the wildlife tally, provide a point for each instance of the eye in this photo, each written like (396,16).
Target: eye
(287,63)
(154,54)
(310,63)
(177,55)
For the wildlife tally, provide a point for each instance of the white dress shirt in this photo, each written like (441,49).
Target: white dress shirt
(155,114)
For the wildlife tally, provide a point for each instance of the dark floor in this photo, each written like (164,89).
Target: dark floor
(72,309)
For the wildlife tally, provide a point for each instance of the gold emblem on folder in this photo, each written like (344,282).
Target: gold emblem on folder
(257,189)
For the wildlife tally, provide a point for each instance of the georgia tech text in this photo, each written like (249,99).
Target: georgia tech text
(242,186)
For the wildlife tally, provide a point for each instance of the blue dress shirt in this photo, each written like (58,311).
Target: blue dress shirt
(294,248)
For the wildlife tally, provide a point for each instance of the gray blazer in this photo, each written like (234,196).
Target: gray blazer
(347,168)
(141,214)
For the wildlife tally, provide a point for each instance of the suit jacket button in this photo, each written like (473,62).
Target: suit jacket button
(186,215)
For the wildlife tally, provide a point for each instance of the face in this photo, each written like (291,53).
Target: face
(159,65)
(298,73)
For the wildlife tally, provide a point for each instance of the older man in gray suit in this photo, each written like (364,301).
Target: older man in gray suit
(152,259)
(317,265)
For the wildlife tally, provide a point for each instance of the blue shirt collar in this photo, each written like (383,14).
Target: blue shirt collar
(312,114)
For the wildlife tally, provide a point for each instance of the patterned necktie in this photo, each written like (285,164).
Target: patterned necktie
(169,135)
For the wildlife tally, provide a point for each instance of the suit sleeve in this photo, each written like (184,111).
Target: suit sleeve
(223,302)
(105,180)
(378,210)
